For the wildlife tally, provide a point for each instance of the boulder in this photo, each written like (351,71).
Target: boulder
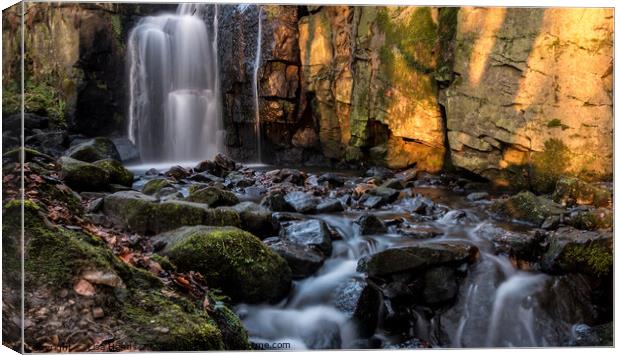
(329,205)
(302,202)
(387,194)
(137,212)
(213,196)
(53,143)
(571,250)
(302,259)
(370,224)
(361,302)
(417,257)
(333,179)
(312,232)
(476,196)
(177,172)
(255,219)
(276,202)
(94,149)
(116,171)
(83,176)
(238,179)
(153,186)
(571,191)
(293,176)
(126,149)
(521,245)
(440,285)
(599,218)
(230,259)
(527,207)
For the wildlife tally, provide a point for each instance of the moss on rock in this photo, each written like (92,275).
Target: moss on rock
(572,250)
(548,166)
(153,186)
(527,207)
(213,196)
(116,171)
(572,191)
(94,149)
(232,260)
(83,176)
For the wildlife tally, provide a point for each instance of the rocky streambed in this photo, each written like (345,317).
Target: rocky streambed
(218,255)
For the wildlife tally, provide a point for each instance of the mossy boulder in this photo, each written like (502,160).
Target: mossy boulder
(526,207)
(232,260)
(83,176)
(148,316)
(116,171)
(256,219)
(134,211)
(572,191)
(154,186)
(600,218)
(94,149)
(575,251)
(213,196)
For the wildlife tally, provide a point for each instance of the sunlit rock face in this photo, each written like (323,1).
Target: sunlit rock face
(533,86)
(369,72)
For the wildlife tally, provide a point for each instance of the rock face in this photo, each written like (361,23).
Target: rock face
(523,101)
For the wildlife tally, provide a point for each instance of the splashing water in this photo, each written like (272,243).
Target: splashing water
(174,110)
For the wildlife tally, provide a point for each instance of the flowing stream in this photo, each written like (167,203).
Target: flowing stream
(174,99)
(497,305)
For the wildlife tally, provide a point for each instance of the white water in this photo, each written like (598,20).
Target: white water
(174,99)
(257,58)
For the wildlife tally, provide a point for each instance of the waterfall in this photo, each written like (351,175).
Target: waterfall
(255,84)
(174,104)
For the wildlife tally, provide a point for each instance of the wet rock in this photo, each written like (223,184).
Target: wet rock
(152,172)
(407,176)
(213,196)
(53,143)
(127,150)
(476,196)
(440,285)
(387,194)
(312,232)
(95,205)
(276,202)
(293,176)
(82,176)
(303,260)
(280,217)
(177,172)
(393,184)
(302,202)
(255,219)
(371,201)
(134,211)
(206,177)
(224,162)
(571,191)
(418,204)
(420,231)
(94,149)
(245,270)
(600,335)
(419,257)
(361,302)
(379,172)
(458,217)
(333,179)
(370,224)
(572,250)
(116,171)
(154,186)
(599,218)
(329,205)
(551,222)
(238,179)
(527,207)
(521,245)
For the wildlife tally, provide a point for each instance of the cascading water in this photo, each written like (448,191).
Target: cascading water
(257,58)
(174,108)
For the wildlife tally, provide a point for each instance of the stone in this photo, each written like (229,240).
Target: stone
(302,259)
(527,207)
(276,202)
(521,245)
(360,302)
(126,150)
(94,149)
(255,219)
(380,172)
(53,143)
(312,232)
(137,212)
(177,172)
(238,179)
(572,250)
(302,202)
(213,196)
(371,201)
(82,176)
(440,285)
(414,258)
(293,176)
(418,204)
(99,277)
(329,205)
(572,191)
(230,259)
(332,179)
(370,224)
(116,171)
(98,312)
(477,196)
(387,194)
(393,183)
(599,218)
(153,186)
(407,176)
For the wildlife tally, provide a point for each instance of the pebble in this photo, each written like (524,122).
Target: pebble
(98,312)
